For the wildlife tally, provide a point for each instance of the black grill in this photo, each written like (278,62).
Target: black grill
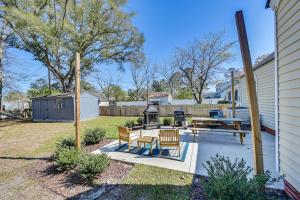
(179,117)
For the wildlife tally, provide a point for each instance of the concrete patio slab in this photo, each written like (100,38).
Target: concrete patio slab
(207,144)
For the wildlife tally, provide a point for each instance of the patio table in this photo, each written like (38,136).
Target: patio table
(229,124)
(147,140)
(225,122)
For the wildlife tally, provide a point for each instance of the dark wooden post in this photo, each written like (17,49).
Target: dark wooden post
(77,98)
(254,112)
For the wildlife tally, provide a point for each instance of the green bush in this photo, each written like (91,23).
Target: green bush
(140,120)
(93,136)
(223,102)
(129,123)
(167,121)
(67,158)
(66,143)
(227,180)
(90,165)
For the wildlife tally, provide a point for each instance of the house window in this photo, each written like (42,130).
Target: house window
(236,95)
(229,96)
(59,103)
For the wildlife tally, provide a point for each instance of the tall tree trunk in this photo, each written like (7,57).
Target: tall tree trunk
(1,69)
(49,80)
(195,96)
(137,94)
(200,98)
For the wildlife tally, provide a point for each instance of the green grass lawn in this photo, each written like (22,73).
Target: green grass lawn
(109,124)
(21,143)
(146,182)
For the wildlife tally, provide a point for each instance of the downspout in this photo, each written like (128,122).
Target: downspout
(276,96)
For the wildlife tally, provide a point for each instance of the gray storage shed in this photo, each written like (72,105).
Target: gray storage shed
(61,107)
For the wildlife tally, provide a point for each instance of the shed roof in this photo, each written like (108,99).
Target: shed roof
(63,95)
(53,96)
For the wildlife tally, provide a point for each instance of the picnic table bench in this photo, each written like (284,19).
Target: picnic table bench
(242,133)
(230,125)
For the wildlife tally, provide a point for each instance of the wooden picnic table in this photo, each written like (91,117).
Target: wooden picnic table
(230,124)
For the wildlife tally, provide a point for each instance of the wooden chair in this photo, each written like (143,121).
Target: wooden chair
(125,134)
(169,138)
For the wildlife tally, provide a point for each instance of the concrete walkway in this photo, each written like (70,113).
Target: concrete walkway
(206,145)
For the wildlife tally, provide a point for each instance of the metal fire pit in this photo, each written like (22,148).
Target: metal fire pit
(151,117)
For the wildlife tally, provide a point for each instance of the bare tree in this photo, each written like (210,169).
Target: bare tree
(106,84)
(202,60)
(171,75)
(141,76)
(4,36)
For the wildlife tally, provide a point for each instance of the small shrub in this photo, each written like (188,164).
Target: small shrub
(140,120)
(228,180)
(90,165)
(67,158)
(93,136)
(66,143)
(223,102)
(167,121)
(129,123)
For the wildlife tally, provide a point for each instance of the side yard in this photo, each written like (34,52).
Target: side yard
(23,145)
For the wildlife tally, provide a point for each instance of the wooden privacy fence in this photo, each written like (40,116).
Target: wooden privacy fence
(195,110)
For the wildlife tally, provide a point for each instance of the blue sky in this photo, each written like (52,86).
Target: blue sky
(168,24)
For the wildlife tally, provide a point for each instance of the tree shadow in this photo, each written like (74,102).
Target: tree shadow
(24,158)
(138,191)
(144,191)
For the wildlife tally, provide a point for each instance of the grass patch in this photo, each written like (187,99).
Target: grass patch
(25,140)
(109,124)
(147,182)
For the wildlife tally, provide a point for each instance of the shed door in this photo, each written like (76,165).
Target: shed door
(44,110)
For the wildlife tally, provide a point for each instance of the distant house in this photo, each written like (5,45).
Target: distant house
(16,104)
(160,98)
(224,89)
(61,107)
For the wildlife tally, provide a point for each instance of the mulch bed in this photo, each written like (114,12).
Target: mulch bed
(94,147)
(70,184)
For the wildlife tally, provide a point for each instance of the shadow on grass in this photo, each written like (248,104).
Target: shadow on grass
(137,191)
(24,158)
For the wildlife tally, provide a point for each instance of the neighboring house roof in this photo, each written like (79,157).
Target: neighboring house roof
(267,59)
(268,4)
(273,4)
(158,94)
(228,85)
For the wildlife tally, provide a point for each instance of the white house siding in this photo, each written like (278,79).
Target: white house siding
(265,80)
(243,92)
(288,58)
